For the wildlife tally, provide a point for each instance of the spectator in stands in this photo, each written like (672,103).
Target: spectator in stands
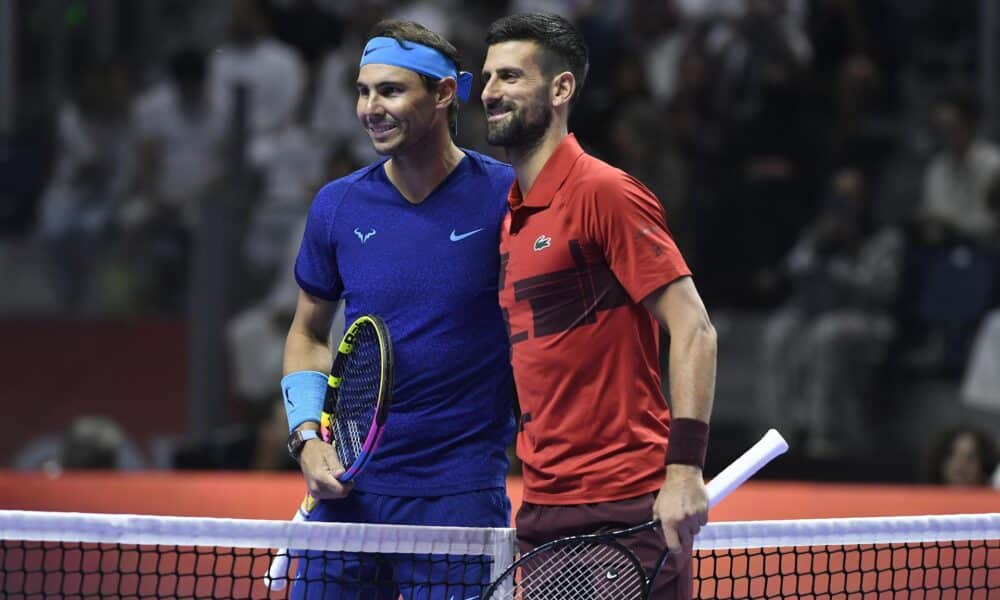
(765,182)
(955,262)
(821,347)
(88,180)
(956,181)
(279,151)
(92,443)
(179,128)
(257,444)
(961,456)
(89,442)
(288,168)
(272,72)
(981,380)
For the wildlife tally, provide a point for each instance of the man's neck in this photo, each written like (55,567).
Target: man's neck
(417,172)
(528,162)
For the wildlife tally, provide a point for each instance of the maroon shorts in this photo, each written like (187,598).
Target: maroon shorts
(537,524)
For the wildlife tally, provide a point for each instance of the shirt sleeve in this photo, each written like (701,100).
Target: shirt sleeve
(627,222)
(316,264)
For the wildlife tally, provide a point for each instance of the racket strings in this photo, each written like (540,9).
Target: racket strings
(573,571)
(358,395)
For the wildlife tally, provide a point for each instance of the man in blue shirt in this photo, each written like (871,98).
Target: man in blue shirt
(412,238)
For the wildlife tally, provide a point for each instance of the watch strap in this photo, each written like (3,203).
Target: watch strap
(299,439)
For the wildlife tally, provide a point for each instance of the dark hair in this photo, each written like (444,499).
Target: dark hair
(941,447)
(410,31)
(92,442)
(562,44)
(187,64)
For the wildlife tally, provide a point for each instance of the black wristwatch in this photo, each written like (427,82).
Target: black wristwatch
(297,441)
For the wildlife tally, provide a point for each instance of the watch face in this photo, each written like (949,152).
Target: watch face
(294,444)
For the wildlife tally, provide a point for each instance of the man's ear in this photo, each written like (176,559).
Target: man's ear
(446,91)
(563,88)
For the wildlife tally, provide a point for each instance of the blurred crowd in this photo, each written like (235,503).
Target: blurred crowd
(828,164)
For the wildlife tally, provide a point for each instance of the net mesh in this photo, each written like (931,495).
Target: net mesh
(932,557)
(68,555)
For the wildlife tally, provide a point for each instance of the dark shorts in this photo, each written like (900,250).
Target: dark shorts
(538,524)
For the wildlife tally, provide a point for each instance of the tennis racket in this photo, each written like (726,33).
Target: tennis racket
(358,395)
(600,565)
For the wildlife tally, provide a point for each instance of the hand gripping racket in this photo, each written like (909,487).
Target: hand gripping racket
(600,565)
(358,395)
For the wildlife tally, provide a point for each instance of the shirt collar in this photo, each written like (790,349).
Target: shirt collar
(550,178)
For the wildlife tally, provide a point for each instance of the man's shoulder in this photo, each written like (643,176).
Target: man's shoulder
(593,174)
(338,188)
(491,166)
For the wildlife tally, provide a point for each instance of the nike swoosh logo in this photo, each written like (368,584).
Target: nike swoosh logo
(370,50)
(461,236)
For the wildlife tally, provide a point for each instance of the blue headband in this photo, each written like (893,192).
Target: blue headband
(417,58)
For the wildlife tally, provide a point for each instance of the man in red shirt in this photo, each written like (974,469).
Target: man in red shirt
(588,271)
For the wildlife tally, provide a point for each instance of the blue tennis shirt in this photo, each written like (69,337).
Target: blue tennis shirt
(430,271)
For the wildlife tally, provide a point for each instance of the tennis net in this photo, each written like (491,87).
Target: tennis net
(74,555)
(930,557)
(71,555)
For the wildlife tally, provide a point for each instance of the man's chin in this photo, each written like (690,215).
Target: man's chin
(386,148)
(499,137)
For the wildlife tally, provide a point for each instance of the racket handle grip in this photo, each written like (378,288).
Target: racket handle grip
(744,467)
(277,572)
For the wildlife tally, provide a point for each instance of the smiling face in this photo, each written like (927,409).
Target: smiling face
(515,95)
(395,108)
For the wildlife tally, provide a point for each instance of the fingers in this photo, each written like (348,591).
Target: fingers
(326,486)
(679,533)
(681,517)
(672,536)
(321,468)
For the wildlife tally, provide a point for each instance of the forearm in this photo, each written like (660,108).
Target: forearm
(306,351)
(307,360)
(692,371)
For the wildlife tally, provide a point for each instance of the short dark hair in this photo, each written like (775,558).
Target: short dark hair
(562,44)
(410,31)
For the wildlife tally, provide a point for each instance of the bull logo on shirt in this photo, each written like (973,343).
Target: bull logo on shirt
(364,236)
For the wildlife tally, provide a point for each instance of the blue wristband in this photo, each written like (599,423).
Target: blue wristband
(304,392)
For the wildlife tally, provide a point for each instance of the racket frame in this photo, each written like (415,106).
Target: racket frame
(770,446)
(384,397)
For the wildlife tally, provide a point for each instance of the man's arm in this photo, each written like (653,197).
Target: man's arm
(682,504)
(307,348)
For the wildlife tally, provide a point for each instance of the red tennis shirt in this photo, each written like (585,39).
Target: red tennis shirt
(578,255)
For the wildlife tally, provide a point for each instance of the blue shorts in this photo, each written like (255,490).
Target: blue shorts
(388,576)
